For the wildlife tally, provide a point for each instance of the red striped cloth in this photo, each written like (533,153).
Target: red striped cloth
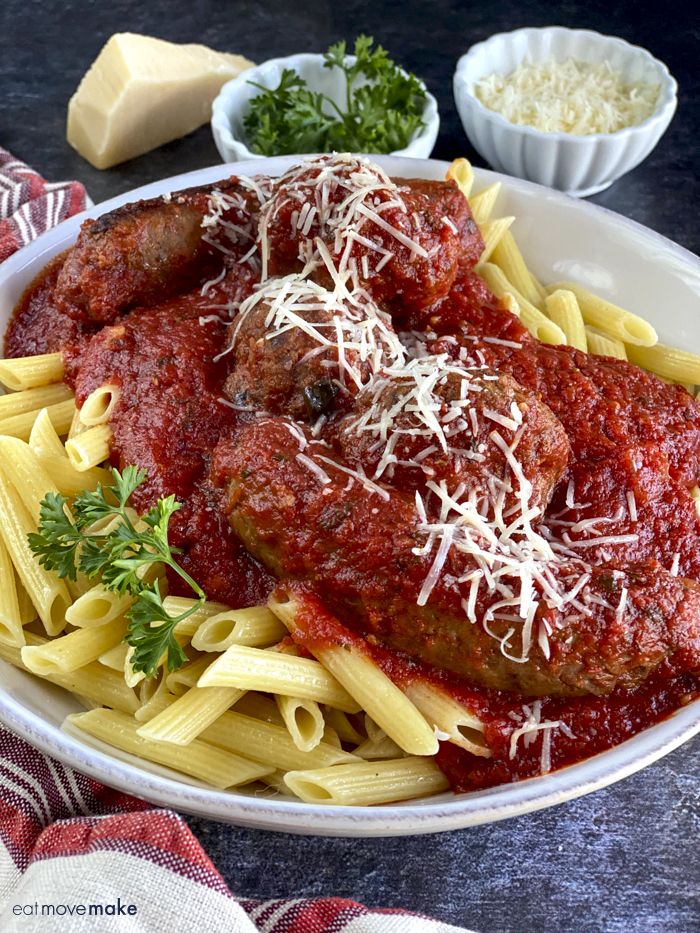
(76,856)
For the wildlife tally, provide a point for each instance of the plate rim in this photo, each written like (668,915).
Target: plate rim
(448,812)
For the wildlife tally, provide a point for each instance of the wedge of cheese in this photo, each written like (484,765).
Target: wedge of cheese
(142,92)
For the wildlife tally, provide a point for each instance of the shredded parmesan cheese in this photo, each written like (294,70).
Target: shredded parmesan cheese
(574,97)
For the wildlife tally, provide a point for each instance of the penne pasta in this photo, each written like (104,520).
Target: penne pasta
(75,650)
(257,669)
(29,372)
(461,172)
(370,687)
(27,610)
(11,630)
(304,721)
(187,676)
(99,405)
(269,743)
(61,416)
(602,345)
(48,594)
(256,627)
(213,765)
(97,607)
(43,438)
(508,257)
(176,605)
(536,322)
(25,472)
(492,232)
(89,448)
(368,783)
(344,726)
(115,658)
(19,403)
(667,362)
(190,714)
(94,682)
(483,202)
(609,318)
(452,720)
(260,706)
(562,308)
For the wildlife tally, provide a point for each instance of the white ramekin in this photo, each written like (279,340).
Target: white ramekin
(231,106)
(579,165)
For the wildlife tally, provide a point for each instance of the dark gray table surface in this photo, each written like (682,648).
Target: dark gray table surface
(624,859)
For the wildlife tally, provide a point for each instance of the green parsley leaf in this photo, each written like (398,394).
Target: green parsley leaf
(56,542)
(151,633)
(383,107)
(103,541)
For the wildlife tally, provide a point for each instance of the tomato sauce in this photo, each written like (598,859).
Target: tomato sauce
(170,417)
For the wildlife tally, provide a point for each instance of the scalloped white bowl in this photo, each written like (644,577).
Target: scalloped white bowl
(232,104)
(561,239)
(579,165)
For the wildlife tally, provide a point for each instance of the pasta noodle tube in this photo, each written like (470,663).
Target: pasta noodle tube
(99,405)
(368,783)
(94,682)
(26,474)
(11,631)
(611,319)
(483,202)
(115,658)
(507,255)
(78,648)
(19,403)
(89,448)
(187,676)
(602,345)
(269,743)
(492,231)
(43,438)
(60,415)
(455,723)
(97,607)
(562,308)
(304,721)
(28,372)
(536,322)
(176,605)
(461,172)
(373,690)
(190,714)
(260,706)
(257,669)
(256,627)
(212,765)
(667,362)
(47,592)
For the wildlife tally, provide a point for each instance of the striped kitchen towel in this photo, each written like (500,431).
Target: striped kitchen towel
(78,857)
(29,205)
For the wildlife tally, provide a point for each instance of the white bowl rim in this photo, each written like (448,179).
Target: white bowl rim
(221,123)
(448,813)
(665,108)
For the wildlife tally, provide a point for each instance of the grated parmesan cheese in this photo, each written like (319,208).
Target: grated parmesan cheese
(573,97)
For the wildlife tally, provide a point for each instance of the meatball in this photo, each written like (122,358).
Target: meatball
(300,350)
(142,253)
(451,425)
(362,550)
(402,241)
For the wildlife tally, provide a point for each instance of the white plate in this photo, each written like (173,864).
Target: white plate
(561,238)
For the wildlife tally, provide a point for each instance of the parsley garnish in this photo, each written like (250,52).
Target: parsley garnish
(68,541)
(380,115)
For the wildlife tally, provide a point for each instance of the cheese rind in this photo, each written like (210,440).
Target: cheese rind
(142,92)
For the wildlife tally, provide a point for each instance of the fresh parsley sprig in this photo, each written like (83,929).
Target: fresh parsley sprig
(383,107)
(99,538)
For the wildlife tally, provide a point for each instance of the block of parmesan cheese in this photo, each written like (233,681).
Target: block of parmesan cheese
(142,92)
